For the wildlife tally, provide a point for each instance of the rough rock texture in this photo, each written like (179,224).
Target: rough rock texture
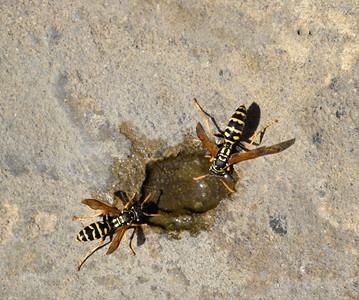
(72,72)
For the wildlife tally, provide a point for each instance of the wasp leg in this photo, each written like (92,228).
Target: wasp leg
(243,148)
(137,228)
(89,218)
(128,246)
(89,253)
(206,116)
(262,133)
(140,235)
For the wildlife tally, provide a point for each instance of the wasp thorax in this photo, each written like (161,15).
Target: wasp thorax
(127,217)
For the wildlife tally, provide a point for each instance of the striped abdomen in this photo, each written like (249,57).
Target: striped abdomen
(235,126)
(232,135)
(94,231)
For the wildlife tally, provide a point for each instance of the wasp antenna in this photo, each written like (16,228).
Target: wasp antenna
(226,185)
(151,215)
(148,197)
(130,202)
(200,177)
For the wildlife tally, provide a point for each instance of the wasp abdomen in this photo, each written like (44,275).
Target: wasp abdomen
(235,126)
(94,231)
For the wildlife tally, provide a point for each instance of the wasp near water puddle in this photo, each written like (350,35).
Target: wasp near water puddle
(232,150)
(113,220)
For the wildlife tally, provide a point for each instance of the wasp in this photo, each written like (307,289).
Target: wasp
(113,220)
(225,155)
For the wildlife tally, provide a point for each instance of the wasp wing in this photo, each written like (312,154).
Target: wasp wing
(97,205)
(279,147)
(238,157)
(212,148)
(116,241)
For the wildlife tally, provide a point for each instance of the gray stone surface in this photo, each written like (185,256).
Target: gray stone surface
(73,71)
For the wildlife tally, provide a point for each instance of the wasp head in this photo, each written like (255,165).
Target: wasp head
(219,167)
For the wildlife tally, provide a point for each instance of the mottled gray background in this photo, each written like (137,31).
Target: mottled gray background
(73,71)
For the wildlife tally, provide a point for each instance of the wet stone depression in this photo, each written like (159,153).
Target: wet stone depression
(181,200)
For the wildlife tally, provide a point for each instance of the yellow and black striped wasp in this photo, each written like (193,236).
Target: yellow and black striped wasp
(225,155)
(113,220)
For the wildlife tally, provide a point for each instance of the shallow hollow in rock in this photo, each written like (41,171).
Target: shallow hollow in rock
(179,198)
